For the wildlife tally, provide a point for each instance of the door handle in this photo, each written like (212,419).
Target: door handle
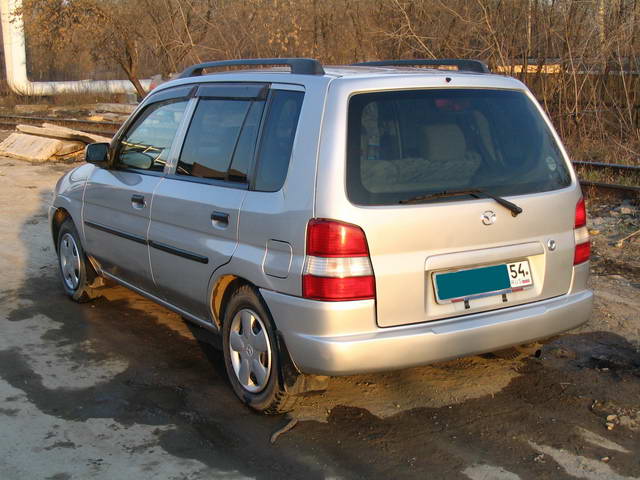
(220,219)
(137,201)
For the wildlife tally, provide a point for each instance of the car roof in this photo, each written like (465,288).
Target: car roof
(349,73)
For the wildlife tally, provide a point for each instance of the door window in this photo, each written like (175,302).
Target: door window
(211,138)
(221,131)
(277,140)
(243,157)
(147,143)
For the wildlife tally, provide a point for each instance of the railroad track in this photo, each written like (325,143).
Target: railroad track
(89,126)
(633,169)
(608,166)
(611,186)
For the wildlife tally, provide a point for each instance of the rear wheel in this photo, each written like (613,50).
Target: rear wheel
(251,354)
(76,273)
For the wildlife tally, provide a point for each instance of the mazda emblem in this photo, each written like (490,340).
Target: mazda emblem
(488,218)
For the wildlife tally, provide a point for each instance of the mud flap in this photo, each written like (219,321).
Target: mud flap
(295,382)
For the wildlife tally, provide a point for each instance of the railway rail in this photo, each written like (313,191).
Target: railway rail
(611,186)
(89,126)
(605,166)
(613,167)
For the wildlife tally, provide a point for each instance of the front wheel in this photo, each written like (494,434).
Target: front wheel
(76,274)
(251,354)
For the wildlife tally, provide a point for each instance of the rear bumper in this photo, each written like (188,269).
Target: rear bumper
(342,338)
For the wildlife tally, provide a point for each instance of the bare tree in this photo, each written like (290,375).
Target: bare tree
(110,30)
(176,29)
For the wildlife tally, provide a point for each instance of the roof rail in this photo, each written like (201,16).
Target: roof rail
(302,66)
(461,63)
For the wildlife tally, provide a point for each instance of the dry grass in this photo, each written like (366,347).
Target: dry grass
(608,149)
(608,176)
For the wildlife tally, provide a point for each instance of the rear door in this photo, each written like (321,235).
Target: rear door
(404,146)
(117,201)
(194,219)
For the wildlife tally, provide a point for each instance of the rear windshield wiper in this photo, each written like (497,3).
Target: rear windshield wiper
(475,192)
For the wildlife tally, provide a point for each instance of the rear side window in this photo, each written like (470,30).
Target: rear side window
(147,143)
(277,140)
(213,137)
(404,144)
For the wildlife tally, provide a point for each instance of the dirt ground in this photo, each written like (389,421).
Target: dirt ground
(119,388)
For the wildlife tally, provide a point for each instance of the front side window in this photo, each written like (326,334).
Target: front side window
(277,140)
(410,143)
(214,137)
(147,143)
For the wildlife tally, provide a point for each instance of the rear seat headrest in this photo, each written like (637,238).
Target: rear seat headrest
(442,141)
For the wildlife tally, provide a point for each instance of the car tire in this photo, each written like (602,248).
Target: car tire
(251,355)
(76,273)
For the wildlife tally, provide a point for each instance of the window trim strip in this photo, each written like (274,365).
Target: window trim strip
(233,91)
(180,136)
(208,181)
(141,171)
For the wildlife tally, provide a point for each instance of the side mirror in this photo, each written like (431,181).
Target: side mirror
(97,153)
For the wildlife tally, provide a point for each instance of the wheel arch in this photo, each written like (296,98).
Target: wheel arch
(222,289)
(57,219)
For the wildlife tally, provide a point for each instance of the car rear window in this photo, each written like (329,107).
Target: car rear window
(407,143)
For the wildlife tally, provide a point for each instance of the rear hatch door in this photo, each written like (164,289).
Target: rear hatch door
(406,145)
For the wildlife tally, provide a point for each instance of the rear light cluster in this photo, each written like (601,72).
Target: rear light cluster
(583,247)
(337,266)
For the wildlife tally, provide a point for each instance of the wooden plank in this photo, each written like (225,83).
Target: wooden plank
(69,147)
(125,108)
(108,117)
(92,137)
(30,147)
(54,131)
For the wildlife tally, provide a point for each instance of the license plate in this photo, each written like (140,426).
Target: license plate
(482,281)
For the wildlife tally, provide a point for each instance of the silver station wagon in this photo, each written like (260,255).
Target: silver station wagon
(333,221)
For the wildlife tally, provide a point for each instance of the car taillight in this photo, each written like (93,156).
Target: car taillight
(581,234)
(581,214)
(337,266)
(582,253)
